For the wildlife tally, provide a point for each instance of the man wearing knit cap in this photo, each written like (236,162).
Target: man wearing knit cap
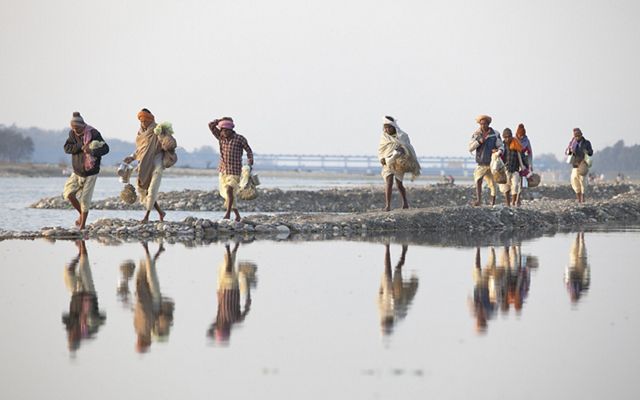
(484,141)
(230,167)
(86,146)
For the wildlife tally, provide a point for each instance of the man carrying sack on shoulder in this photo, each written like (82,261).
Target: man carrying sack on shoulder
(155,151)
(579,150)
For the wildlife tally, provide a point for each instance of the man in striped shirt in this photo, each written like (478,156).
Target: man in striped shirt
(230,167)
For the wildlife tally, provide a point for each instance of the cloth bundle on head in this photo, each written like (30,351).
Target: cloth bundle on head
(146,116)
(485,117)
(77,120)
(225,124)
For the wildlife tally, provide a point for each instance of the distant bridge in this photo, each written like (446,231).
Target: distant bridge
(367,164)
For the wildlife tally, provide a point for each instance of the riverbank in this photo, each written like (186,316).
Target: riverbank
(617,207)
(358,199)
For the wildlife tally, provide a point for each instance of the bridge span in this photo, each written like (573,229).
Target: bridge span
(366,164)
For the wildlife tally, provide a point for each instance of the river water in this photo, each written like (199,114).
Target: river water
(18,194)
(553,317)
(550,317)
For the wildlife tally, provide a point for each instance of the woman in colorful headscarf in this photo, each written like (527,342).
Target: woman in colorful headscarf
(397,156)
(526,153)
(152,142)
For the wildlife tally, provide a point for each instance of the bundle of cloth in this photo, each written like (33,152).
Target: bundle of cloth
(397,151)
(248,183)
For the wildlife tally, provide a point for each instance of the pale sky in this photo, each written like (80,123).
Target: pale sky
(316,77)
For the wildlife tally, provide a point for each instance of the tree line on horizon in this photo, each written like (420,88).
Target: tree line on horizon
(46,146)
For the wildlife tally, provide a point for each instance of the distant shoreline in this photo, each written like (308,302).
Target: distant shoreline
(35,170)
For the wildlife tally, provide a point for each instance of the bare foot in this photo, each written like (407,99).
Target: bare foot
(387,208)
(237,219)
(161,215)
(405,206)
(78,221)
(226,216)
(144,220)
(476,203)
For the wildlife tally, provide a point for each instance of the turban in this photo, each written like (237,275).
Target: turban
(481,117)
(77,119)
(145,115)
(225,124)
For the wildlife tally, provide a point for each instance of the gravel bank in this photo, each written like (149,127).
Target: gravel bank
(336,200)
(448,224)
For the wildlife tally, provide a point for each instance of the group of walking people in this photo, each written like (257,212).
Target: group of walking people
(155,151)
(397,156)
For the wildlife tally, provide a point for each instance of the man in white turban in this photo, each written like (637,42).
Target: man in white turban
(397,156)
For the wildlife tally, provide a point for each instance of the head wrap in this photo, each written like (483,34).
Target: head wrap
(145,115)
(520,131)
(481,117)
(77,120)
(225,124)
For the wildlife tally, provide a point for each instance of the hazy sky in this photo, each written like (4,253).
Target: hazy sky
(317,76)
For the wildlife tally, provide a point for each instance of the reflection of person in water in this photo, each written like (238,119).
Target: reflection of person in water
(127,268)
(517,278)
(83,319)
(577,276)
(233,290)
(152,312)
(395,294)
(484,291)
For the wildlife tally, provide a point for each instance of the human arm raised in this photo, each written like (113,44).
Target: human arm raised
(213,127)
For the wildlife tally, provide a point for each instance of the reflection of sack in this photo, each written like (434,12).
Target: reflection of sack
(533,180)
(500,176)
(169,158)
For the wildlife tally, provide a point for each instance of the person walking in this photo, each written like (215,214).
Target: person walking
(231,146)
(526,154)
(512,150)
(153,141)
(86,146)
(397,156)
(578,149)
(484,141)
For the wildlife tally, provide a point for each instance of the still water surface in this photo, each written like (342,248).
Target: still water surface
(18,194)
(554,317)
